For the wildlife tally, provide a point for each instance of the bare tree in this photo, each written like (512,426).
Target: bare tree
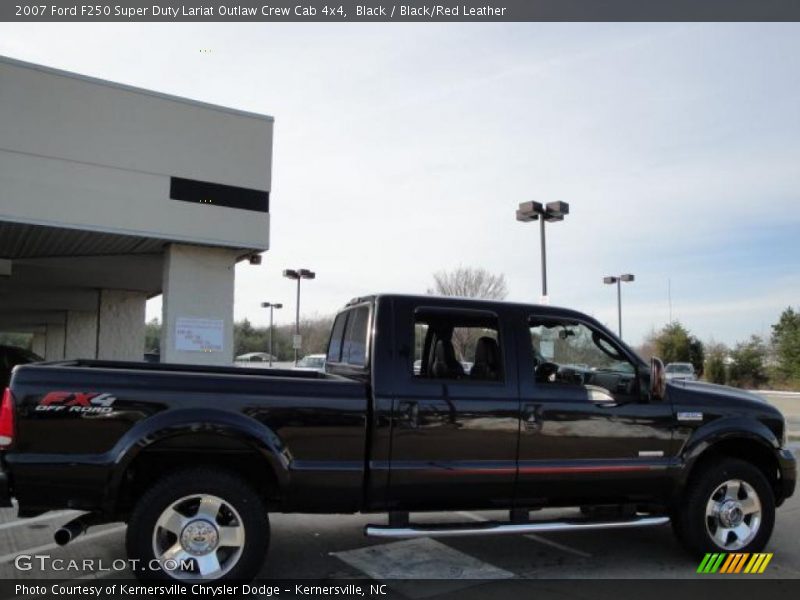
(469,282)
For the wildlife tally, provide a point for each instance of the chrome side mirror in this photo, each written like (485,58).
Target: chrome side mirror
(658,379)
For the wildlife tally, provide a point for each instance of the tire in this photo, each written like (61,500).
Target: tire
(209,520)
(729,506)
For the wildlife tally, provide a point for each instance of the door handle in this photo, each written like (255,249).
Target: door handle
(529,418)
(409,414)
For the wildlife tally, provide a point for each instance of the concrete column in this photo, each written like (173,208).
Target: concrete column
(198,296)
(120,319)
(81,334)
(54,342)
(39,344)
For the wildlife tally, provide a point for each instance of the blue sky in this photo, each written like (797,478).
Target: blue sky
(404,149)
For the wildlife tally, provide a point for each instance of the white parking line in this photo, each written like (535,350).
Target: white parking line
(534,537)
(45,517)
(39,549)
(408,562)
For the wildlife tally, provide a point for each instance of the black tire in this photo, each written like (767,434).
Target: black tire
(695,530)
(242,508)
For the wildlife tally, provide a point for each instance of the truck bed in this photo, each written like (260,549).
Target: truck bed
(81,422)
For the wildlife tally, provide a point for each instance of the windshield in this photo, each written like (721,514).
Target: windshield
(573,345)
(679,368)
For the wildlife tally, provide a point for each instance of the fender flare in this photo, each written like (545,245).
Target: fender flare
(174,423)
(706,437)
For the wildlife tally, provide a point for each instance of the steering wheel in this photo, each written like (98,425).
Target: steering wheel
(545,371)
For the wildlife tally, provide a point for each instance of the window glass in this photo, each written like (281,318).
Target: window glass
(450,345)
(354,347)
(570,353)
(335,345)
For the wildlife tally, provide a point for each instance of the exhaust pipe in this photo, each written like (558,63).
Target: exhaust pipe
(69,531)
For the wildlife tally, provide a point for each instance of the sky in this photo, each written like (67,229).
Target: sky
(404,149)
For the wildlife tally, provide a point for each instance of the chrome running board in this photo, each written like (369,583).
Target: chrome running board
(496,528)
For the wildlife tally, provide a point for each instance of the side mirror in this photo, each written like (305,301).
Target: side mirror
(658,380)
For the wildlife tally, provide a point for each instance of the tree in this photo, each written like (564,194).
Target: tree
(247,338)
(315,331)
(747,363)
(648,349)
(674,343)
(20,340)
(697,355)
(786,343)
(152,335)
(716,370)
(469,282)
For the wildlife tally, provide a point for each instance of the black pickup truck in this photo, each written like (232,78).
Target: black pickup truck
(428,404)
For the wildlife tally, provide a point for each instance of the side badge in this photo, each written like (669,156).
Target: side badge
(690,416)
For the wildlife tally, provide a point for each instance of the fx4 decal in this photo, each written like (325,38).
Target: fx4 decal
(76,402)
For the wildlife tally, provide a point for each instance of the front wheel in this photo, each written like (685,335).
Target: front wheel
(202,524)
(728,507)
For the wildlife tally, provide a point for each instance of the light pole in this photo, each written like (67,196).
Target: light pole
(551,212)
(618,279)
(298,274)
(270,306)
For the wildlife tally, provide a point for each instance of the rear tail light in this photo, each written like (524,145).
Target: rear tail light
(7,419)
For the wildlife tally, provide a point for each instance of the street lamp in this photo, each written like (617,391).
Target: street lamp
(271,306)
(611,280)
(298,274)
(551,212)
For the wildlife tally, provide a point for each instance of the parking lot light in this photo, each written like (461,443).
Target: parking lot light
(272,306)
(550,213)
(618,279)
(297,275)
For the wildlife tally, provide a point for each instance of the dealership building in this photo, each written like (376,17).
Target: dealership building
(110,195)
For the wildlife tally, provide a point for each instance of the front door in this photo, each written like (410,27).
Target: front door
(455,419)
(589,428)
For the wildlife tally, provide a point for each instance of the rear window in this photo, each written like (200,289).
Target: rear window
(354,347)
(335,345)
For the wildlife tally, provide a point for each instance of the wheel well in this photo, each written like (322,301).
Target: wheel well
(194,450)
(747,450)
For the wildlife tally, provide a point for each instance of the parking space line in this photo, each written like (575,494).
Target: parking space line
(52,546)
(563,547)
(45,517)
(444,570)
(534,537)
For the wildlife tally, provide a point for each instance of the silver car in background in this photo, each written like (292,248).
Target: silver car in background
(311,362)
(680,370)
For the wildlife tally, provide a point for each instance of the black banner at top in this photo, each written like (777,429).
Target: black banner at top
(408,10)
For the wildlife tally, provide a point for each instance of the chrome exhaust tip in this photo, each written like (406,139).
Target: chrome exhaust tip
(68,532)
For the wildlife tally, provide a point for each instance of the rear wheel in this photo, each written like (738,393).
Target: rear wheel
(199,524)
(728,507)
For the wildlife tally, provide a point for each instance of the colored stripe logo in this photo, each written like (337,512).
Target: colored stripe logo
(733,563)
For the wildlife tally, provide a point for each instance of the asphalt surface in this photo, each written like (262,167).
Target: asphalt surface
(334,547)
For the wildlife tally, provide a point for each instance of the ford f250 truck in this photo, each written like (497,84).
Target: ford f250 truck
(510,406)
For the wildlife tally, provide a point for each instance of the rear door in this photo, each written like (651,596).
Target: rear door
(455,430)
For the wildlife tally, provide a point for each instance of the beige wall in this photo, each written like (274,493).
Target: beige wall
(198,284)
(54,342)
(93,155)
(121,325)
(81,331)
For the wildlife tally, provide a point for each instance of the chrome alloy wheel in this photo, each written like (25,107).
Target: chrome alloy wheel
(198,537)
(733,514)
